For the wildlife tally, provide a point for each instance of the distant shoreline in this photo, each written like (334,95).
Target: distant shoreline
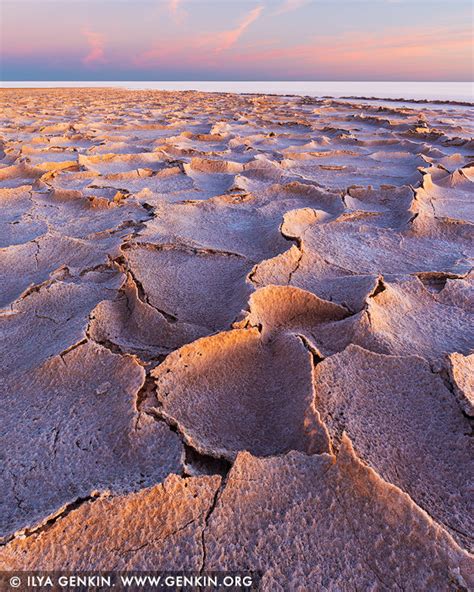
(456,93)
(321,98)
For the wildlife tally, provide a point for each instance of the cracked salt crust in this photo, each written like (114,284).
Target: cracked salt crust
(271,294)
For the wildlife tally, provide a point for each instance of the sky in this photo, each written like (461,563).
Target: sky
(153,40)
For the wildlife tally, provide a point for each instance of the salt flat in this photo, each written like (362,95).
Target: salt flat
(236,333)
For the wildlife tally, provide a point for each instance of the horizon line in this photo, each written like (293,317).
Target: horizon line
(241,80)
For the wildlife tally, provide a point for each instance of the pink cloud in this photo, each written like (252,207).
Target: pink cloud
(176,10)
(290,5)
(200,51)
(423,52)
(389,52)
(174,6)
(227,39)
(96,43)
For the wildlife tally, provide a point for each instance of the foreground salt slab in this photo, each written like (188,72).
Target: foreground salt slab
(51,318)
(324,523)
(71,427)
(307,521)
(407,317)
(159,528)
(232,392)
(30,264)
(277,309)
(399,414)
(203,287)
(284,307)
(132,325)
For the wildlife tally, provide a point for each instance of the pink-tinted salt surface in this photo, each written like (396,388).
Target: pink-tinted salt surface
(236,333)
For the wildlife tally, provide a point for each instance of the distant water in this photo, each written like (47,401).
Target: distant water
(440,91)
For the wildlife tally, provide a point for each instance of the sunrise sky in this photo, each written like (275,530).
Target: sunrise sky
(236,40)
